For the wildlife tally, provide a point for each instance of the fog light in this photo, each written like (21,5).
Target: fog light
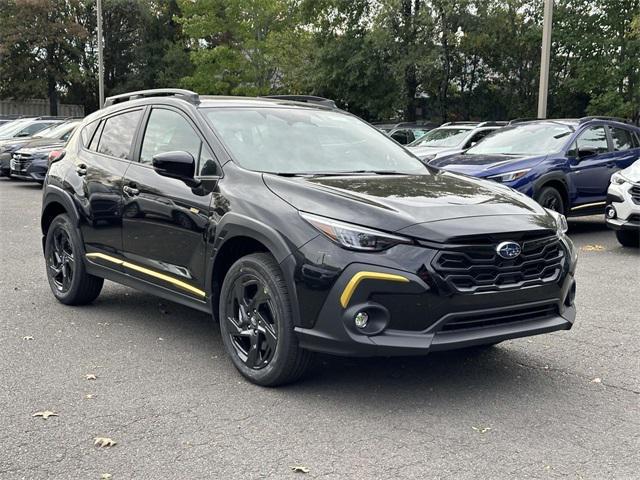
(361,319)
(610,212)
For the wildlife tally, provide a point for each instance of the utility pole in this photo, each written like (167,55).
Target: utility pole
(100,58)
(547,25)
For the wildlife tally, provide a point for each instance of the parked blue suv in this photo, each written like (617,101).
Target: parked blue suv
(564,164)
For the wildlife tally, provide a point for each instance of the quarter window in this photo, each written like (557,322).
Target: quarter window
(594,139)
(117,134)
(168,131)
(622,139)
(87,133)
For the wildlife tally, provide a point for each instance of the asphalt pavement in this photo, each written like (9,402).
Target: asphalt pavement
(562,405)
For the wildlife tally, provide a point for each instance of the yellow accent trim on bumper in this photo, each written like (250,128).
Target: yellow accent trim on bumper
(349,290)
(146,271)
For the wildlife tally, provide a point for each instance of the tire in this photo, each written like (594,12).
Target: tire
(628,238)
(66,272)
(551,198)
(256,323)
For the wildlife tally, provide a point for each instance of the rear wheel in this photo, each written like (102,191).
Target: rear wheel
(256,323)
(68,278)
(551,198)
(628,238)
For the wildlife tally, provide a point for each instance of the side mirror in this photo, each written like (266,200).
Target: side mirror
(585,152)
(179,165)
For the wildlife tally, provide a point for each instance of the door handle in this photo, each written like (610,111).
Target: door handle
(81,170)
(130,191)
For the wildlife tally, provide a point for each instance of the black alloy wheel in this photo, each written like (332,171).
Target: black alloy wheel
(252,322)
(61,260)
(68,278)
(256,322)
(550,198)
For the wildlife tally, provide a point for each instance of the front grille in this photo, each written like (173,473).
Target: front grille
(634,218)
(477,268)
(635,194)
(491,319)
(21,161)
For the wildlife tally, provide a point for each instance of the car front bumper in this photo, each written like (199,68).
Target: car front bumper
(5,164)
(34,170)
(418,315)
(624,200)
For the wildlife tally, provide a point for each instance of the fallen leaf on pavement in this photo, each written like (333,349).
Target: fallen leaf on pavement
(299,469)
(593,248)
(46,414)
(27,337)
(91,376)
(104,442)
(105,476)
(596,380)
(481,429)
(89,396)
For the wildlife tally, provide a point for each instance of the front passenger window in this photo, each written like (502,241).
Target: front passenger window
(168,131)
(594,140)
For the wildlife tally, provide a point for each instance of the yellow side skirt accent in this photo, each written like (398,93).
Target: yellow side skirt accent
(360,276)
(146,271)
(587,205)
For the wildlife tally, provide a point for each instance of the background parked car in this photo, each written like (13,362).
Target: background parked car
(623,205)
(564,164)
(452,137)
(55,135)
(27,127)
(405,133)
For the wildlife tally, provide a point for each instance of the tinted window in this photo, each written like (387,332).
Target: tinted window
(622,139)
(87,133)
(477,137)
(636,140)
(168,131)
(33,129)
(117,134)
(594,139)
(442,137)
(402,136)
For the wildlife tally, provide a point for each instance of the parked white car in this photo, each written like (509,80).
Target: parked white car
(623,205)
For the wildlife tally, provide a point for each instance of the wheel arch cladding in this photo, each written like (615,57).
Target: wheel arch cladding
(57,201)
(240,236)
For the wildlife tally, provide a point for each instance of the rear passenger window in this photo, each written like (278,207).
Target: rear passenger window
(622,139)
(117,134)
(87,133)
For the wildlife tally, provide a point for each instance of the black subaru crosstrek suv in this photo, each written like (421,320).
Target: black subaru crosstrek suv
(301,229)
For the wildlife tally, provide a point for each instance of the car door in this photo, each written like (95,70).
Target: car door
(591,164)
(625,150)
(165,220)
(103,157)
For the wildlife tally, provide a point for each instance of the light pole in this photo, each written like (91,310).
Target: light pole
(547,25)
(100,58)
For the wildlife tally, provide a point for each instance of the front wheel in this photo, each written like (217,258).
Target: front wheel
(67,275)
(256,323)
(550,198)
(628,238)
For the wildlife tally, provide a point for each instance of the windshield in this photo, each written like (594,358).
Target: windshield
(526,139)
(305,141)
(58,131)
(442,137)
(10,129)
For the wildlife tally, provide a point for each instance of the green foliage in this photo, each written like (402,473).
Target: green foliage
(380,59)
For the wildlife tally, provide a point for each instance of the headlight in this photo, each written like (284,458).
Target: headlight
(509,176)
(353,237)
(618,179)
(561,220)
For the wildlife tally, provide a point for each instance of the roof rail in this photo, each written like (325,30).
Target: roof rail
(492,123)
(524,119)
(188,95)
(601,117)
(459,123)
(325,102)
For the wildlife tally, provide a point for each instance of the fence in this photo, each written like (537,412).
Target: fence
(38,107)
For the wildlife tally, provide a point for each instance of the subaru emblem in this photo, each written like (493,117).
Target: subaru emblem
(508,250)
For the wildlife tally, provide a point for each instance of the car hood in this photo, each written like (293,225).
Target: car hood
(41,147)
(632,172)
(413,202)
(484,165)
